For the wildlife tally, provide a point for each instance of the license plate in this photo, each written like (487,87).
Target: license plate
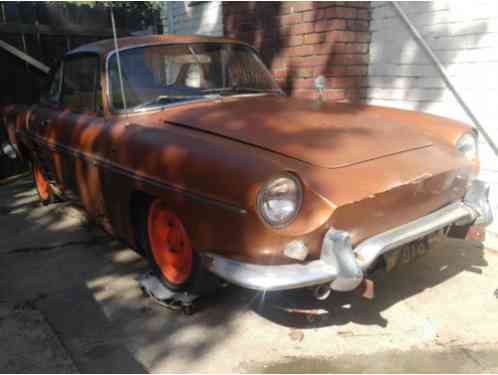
(409,252)
(406,254)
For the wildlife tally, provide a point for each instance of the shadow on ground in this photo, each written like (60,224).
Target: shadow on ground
(84,284)
(87,292)
(299,309)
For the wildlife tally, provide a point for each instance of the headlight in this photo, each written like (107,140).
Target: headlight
(467,145)
(279,200)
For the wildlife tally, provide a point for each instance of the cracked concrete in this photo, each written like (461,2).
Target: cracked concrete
(55,246)
(30,344)
(435,315)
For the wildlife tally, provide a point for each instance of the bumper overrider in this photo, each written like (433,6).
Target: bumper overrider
(343,266)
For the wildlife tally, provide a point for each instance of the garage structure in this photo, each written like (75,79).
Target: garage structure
(33,36)
(44,32)
(464,37)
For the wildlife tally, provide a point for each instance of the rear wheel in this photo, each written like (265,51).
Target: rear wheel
(42,185)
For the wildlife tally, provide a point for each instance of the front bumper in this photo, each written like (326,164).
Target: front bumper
(343,266)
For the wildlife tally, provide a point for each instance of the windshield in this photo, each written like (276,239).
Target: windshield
(160,75)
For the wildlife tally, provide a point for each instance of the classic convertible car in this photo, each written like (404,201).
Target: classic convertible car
(186,148)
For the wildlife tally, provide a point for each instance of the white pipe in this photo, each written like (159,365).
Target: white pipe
(445,76)
(171,19)
(120,74)
(24,56)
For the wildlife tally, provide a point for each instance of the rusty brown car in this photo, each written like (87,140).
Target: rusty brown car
(186,148)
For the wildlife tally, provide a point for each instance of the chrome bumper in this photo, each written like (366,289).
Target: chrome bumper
(341,265)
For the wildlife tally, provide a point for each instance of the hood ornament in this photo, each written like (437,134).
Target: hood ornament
(320,83)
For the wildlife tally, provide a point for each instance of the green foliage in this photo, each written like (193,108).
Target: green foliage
(125,5)
(135,9)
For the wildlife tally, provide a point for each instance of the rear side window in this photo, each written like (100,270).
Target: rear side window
(81,84)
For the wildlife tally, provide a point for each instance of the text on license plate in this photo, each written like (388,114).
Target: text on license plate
(405,254)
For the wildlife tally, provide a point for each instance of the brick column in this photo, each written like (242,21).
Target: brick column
(302,40)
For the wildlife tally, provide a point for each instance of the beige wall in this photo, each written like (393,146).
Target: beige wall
(190,17)
(464,36)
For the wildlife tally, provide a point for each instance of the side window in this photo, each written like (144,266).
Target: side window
(53,92)
(81,84)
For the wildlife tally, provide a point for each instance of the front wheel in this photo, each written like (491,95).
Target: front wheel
(168,246)
(163,239)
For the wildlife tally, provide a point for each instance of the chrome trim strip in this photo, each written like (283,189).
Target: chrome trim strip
(337,249)
(369,250)
(339,263)
(478,198)
(116,168)
(270,278)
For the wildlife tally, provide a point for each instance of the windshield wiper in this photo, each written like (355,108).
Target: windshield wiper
(173,97)
(238,89)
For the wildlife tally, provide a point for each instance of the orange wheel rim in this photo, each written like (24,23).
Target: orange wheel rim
(169,243)
(41,182)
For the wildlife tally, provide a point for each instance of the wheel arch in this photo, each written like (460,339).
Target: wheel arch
(138,202)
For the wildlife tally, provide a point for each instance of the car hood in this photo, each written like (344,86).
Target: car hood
(328,135)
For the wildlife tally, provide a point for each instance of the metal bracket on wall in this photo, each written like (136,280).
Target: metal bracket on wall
(446,78)
(24,56)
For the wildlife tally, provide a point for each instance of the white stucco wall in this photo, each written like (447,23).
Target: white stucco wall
(464,36)
(193,17)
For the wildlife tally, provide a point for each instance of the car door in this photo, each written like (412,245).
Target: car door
(39,122)
(79,131)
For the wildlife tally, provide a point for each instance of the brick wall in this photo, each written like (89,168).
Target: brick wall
(302,40)
(464,36)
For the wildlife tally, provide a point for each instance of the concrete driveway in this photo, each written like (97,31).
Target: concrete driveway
(69,302)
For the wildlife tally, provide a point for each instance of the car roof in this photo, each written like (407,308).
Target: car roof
(104,47)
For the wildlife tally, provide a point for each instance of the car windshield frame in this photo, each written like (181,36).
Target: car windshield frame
(215,95)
